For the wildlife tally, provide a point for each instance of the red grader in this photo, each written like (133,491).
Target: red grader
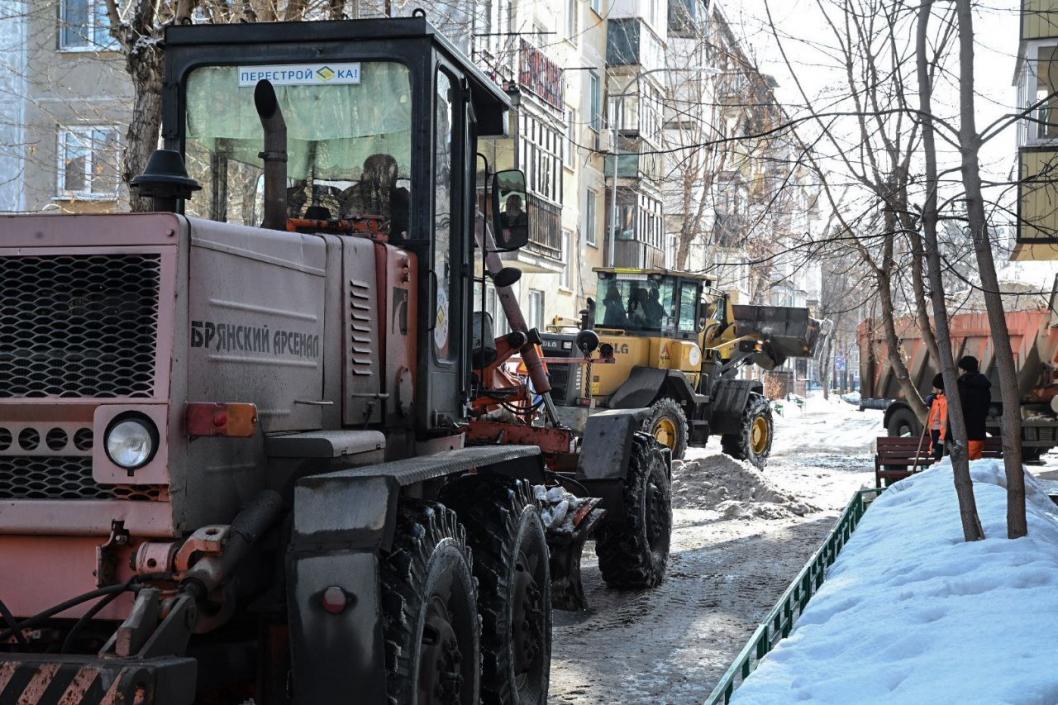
(256,455)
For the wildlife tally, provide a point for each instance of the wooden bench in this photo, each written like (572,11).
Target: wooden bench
(896,455)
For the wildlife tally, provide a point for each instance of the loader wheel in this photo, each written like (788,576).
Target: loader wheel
(753,441)
(507,536)
(668,426)
(429,610)
(634,551)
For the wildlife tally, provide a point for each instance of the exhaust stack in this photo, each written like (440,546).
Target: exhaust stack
(274,155)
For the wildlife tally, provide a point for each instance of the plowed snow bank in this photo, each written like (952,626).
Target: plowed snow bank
(911,613)
(734,488)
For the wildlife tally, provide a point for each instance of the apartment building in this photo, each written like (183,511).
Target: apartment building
(1036,79)
(602,90)
(62,132)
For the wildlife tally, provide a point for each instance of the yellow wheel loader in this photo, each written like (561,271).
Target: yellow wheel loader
(676,345)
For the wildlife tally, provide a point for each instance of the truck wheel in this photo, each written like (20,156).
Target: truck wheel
(429,610)
(514,585)
(903,423)
(753,441)
(634,552)
(668,425)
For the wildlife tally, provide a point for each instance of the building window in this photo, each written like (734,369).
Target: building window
(565,278)
(492,307)
(1045,70)
(597,6)
(572,6)
(589,218)
(541,148)
(84,26)
(88,162)
(595,100)
(569,145)
(536,309)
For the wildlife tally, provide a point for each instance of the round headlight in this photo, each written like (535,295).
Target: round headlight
(131,441)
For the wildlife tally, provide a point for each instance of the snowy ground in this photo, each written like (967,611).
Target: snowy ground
(739,538)
(911,613)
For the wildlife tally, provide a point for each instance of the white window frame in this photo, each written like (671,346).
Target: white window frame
(90,30)
(1027,129)
(569,143)
(595,101)
(83,133)
(572,20)
(591,196)
(565,277)
(536,309)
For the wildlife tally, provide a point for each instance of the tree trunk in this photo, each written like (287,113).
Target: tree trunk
(964,490)
(969,145)
(144,64)
(892,340)
(918,290)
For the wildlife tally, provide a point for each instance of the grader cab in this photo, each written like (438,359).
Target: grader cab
(677,345)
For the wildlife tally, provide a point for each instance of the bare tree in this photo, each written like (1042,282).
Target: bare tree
(864,35)
(971,522)
(969,146)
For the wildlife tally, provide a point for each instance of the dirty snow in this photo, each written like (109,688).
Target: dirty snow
(911,613)
(732,488)
(727,568)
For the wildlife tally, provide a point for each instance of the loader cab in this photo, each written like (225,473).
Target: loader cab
(382,122)
(649,302)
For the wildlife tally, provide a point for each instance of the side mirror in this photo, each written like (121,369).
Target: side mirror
(510,218)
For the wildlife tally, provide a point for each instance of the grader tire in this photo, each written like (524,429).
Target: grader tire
(668,425)
(507,537)
(756,430)
(429,610)
(634,552)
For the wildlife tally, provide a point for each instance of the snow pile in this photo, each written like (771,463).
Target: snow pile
(912,614)
(558,507)
(735,489)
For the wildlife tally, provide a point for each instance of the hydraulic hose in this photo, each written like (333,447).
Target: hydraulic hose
(245,530)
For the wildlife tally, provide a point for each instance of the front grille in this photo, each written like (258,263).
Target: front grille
(78,325)
(33,477)
(565,379)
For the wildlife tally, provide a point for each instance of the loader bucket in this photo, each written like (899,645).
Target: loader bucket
(785,331)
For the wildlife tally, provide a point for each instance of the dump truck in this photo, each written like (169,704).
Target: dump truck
(1033,338)
(245,450)
(678,344)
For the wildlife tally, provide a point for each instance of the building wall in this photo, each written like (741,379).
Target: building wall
(67,94)
(13,34)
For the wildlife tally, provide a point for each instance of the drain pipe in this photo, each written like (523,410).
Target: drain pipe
(274,155)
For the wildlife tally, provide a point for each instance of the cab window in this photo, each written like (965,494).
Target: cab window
(348,141)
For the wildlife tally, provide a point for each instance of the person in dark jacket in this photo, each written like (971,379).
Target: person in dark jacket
(976,395)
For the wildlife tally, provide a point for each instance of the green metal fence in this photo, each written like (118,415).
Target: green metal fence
(780,621)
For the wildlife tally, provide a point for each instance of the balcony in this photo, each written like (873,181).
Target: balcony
(1037,236)
(543,253)
(629,42)
(688,18)
(545,228)
(729,229)
(627,166)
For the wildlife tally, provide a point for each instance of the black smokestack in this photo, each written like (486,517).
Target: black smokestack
(274,156)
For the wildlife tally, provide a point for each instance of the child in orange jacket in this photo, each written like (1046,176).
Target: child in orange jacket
(937,421)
